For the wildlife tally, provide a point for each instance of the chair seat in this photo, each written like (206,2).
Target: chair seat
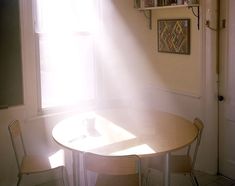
(35,164)
(117,180)
(179,163)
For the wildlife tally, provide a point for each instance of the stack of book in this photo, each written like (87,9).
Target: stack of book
(145,3)
(155,3)
(166,2)
(149,3)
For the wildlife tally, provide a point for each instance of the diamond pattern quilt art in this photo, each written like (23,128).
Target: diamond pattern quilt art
(174,36)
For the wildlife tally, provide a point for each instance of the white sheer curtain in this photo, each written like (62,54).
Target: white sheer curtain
(65,34)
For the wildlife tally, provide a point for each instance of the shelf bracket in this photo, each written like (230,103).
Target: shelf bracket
(197,15)
(148,15)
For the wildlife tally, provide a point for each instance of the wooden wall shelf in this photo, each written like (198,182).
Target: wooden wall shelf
(170,6)
(148,11)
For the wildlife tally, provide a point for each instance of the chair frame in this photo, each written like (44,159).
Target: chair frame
(190,170)
(15,131)
(199,125)
(111,165)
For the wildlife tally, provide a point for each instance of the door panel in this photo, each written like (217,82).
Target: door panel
(227,89)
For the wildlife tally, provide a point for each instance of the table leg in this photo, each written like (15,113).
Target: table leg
(166,175)
(76,169)
(145,164)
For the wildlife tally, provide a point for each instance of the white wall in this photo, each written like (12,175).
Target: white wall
(131,72)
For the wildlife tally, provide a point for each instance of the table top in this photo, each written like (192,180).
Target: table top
(123,131)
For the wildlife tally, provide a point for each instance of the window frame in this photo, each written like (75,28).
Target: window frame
(81,105)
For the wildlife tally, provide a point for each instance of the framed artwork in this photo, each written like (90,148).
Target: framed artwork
(174,36)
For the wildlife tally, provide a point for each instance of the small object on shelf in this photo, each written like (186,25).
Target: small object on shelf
(191,2)
(165,2)
(137,4)
(149,3)
(170,2)
(180,2)
(160,2)
(155,2)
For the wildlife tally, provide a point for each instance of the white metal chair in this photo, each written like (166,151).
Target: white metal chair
(32,164)
(113,170)
(185,163)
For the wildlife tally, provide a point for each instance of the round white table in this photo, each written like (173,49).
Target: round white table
(124,131)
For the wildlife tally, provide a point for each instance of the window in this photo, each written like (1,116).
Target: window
(65,39)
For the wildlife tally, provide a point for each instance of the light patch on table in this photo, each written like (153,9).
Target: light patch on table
(144,148)
(90,132)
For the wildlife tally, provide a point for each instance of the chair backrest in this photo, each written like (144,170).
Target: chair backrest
(199,124)
(17,141)
(112,165)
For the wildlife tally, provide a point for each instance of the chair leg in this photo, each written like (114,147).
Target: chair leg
(19,179)
(86,178)
(194,180)
(67,176)
(146,178)
(64,176)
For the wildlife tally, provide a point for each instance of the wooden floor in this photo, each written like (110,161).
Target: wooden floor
(181,180)
(177,180)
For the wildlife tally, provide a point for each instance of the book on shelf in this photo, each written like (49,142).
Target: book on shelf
(137,4)
(149,3)
(157,3)
(166,2)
